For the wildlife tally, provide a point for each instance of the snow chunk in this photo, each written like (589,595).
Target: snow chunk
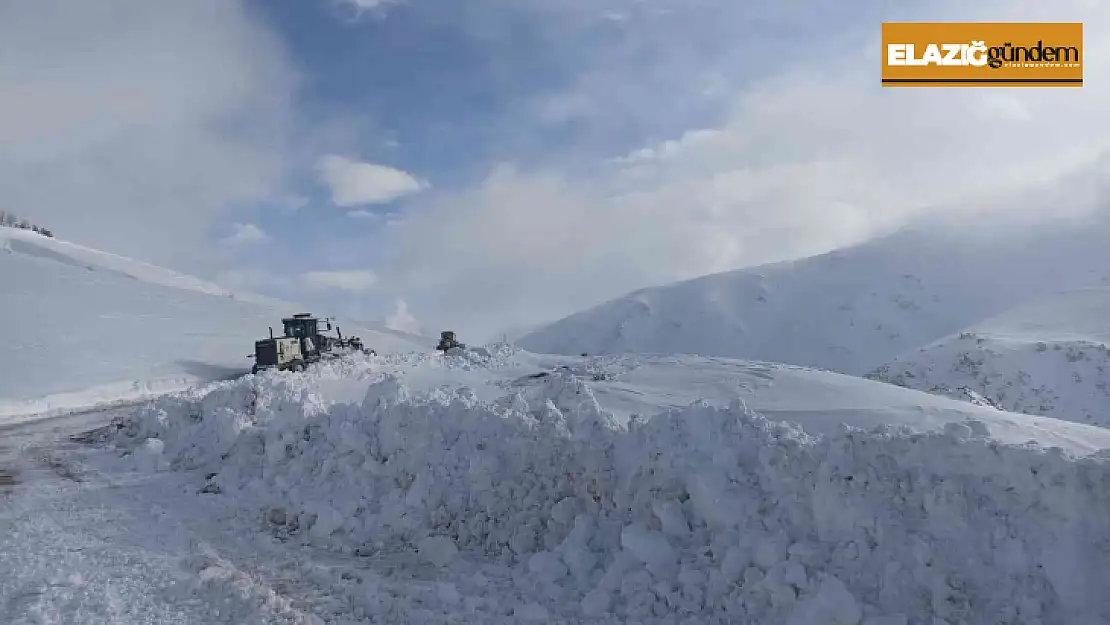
(651,548)
(438,550)
(671,517)
(958,431)
(327,520)
(532,612)
(733,565)
(768,553)
(547,566)
(832,604)
(149,457)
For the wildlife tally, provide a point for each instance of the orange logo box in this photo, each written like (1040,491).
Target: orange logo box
(974,54)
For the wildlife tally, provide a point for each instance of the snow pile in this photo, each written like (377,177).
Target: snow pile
(700,515)
(479,357)
(1050,357)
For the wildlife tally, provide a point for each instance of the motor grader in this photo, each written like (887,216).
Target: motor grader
(303,344)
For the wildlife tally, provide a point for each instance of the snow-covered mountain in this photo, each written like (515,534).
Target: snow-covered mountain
(849,310)
(83,327)
(1047,357)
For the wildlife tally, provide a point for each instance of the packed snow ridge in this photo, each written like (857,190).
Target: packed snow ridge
(704,514)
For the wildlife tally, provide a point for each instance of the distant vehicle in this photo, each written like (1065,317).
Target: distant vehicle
(448,341)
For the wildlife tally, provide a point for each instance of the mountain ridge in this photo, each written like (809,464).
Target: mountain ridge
(848,310)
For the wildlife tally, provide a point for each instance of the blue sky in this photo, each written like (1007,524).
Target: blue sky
(448,91)
(492,164)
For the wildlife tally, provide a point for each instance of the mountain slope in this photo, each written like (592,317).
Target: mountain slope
(1048,357)
(29,244)
(850,310)
(83,327)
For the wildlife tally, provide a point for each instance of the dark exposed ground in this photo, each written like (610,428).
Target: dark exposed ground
(22,445)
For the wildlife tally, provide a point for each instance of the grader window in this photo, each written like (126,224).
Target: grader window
(300,328)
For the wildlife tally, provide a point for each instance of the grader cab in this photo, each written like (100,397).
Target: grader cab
(306,328)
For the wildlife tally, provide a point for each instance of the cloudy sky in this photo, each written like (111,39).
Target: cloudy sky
(486,165)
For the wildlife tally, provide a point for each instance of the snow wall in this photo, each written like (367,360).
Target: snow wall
(703,515)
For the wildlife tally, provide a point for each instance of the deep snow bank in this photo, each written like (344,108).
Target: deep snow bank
(705,514)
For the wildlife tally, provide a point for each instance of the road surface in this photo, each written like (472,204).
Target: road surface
(24,446)
(82,545)
(85,538)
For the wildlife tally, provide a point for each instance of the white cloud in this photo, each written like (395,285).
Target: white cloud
(354,184)
(354,10)
(370,4)
(133,125)
(367,5)
(563,108)
(354,280)
(245,233)
(402,320)
(809,159)
(363,214)
(291,203)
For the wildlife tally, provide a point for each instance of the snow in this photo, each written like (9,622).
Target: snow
(81,545)
(30,244)
(437,550)
(850,310)
(495,485)
(1046,357)
(629,384)
(84,328)
(531,500)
